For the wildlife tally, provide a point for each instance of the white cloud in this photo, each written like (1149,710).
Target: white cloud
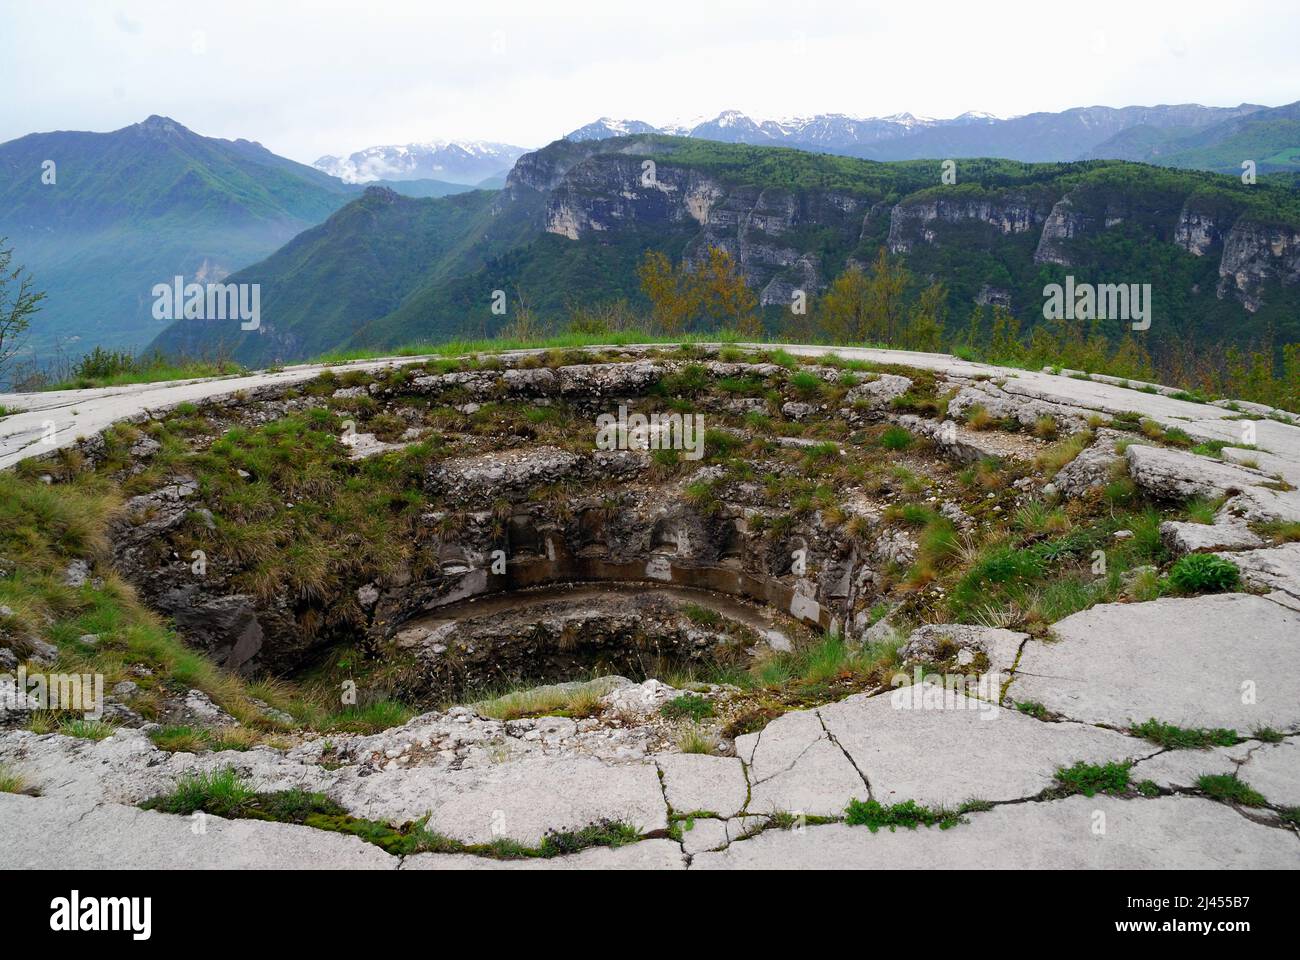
(313,78)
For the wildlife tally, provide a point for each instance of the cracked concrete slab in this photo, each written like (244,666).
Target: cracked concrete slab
(109,836)
(941,748)
(521,800)
(646,855)
(1274,770)
(794,767)
(1225,660)
(1180,769)
(1074,833)
(694,782)
(700,835)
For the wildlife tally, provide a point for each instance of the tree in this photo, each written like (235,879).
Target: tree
(17,304)
(1004,341)
(928,318)
(721,291)
(842,309)
(889,282)
(672,295)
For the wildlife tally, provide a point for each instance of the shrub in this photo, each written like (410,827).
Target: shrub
(687,705)
(1204,573)
(896,438)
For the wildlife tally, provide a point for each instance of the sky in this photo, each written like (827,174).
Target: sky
(326,77)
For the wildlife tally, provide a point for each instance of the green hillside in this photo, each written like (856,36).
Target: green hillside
(138,206)
(457,251)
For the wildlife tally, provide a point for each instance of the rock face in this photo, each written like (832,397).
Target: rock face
(1255,253)
(913,221)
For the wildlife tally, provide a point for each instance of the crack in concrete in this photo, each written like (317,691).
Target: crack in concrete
(830,736)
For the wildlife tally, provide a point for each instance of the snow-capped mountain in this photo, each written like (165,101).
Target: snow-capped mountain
(834,132)
(1068,135)
(607,127)
(454,161)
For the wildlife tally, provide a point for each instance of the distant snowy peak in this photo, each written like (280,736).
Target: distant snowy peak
(454,161)
(826,129)
(607,127)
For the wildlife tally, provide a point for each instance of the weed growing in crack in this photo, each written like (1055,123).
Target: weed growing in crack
(1226,788)
(1180,738)
(1090,779)
(223,793)
(909,814)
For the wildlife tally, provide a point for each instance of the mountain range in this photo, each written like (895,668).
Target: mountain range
(468,162)
(1181,135)
(574,218)
(100,218)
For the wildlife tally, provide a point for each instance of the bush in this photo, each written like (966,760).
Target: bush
(895,438)
(1204,573)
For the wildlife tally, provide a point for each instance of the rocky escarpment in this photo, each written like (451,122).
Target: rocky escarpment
(920,220)
(1255,254)
(759,227)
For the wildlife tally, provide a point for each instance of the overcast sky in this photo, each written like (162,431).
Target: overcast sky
(309,78)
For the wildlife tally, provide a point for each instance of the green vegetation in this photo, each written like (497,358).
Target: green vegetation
(1226,788)
(687,706)
(1179,738)
(224,794)
(896,438)
(1090,779)
(562,700)
(1204,573)
(112,368)
(86,729)
(908,814)
(11,781)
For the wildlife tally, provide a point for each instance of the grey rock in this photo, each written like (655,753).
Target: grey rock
(77,574)
(1189,662)
(1227,533)
(1274,568)
(1092,469)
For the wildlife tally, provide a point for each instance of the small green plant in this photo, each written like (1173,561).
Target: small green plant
(688,706)
(1033,708)
(1179,738)
(703,616)
(220,792)
(695,740)
(896,438)
(909,814)
(87,729)
(1226,788)
(1090,779)
(1204,573)
(10,781)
